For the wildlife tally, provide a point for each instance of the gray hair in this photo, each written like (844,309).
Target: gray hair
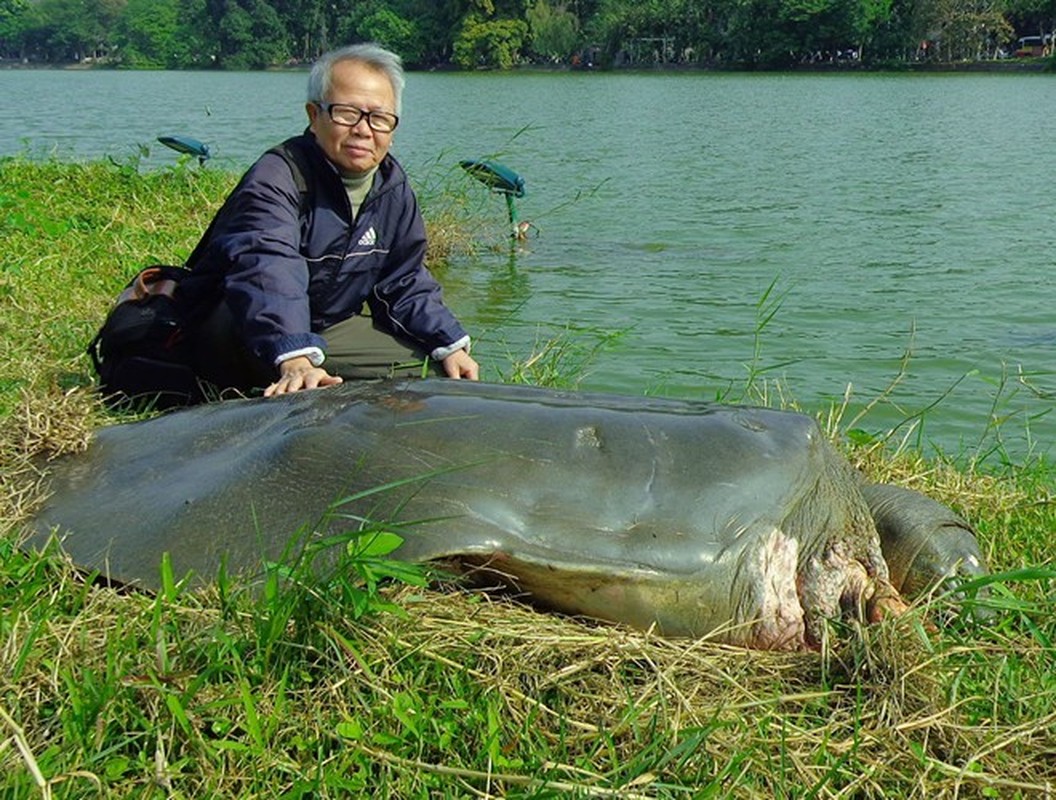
(371,54)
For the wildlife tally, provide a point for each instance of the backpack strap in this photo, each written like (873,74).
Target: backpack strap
(296,160)
(149,282)
(299,166)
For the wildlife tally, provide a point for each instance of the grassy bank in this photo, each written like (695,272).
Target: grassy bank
(330,690)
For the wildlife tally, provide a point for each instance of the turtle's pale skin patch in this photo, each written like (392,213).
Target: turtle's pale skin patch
(771,571)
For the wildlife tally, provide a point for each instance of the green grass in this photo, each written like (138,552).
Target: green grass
(345,679)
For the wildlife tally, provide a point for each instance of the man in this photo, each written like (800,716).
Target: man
(280,279)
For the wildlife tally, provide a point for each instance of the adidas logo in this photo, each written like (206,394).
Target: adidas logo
(368,239)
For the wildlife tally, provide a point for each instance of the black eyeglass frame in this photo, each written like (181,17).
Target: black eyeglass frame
(371,116)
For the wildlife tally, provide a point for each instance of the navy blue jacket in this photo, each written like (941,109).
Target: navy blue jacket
(287,276)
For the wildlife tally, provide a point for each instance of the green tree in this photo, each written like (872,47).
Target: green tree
(809,27)
(250,35)
(13,17)
(1032,17)
(399,34)
(892,38)
(652,31)
(71,30)
(870,18)
(308,25)
(489,42)
(381,22)
(963,29)
(554,31)
(438,23)
(160,34)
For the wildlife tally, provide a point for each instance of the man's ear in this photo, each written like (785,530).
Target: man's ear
(313,111)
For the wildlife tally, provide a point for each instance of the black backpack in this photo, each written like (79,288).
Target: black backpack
(141,353)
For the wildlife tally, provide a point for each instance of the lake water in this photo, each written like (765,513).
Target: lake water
(888,212)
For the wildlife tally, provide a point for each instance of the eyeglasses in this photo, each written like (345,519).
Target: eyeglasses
(380,121)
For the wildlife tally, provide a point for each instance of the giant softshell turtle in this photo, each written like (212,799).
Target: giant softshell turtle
(689,516)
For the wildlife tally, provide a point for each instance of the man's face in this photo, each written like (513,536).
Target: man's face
(357,149)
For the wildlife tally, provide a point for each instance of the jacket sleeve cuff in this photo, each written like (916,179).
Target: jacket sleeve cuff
(314,354)
(440,353)
(276,351)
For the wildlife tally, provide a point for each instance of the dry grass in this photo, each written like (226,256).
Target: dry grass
(487,698)
(877,699)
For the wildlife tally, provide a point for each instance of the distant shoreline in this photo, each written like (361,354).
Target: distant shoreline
(1004,65)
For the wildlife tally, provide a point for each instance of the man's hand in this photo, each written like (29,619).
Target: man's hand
(460,365)
(298,373)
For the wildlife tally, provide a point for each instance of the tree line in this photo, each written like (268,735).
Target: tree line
(257,34)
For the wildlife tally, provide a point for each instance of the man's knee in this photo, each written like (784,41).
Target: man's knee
(357,348)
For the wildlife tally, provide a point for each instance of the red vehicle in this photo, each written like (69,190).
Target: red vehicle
(1034,46)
